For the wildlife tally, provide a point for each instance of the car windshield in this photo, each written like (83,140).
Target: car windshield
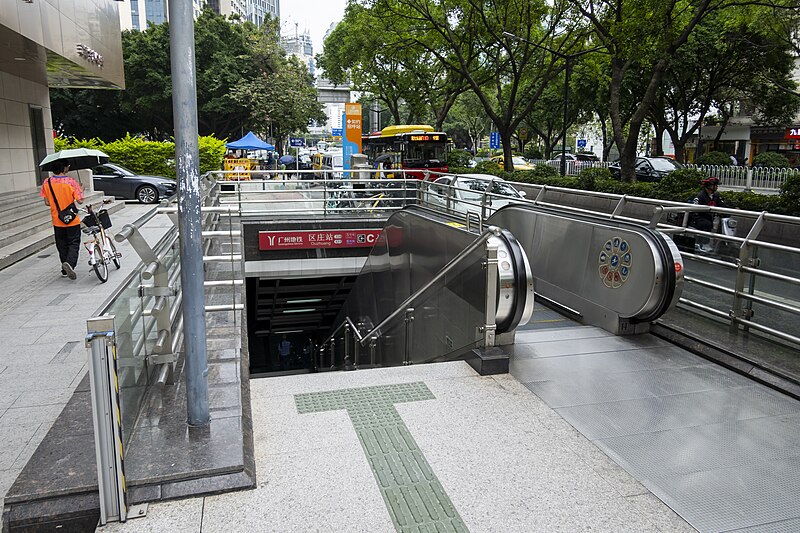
(501,187)
(518,161)
(477,187)
(661,163)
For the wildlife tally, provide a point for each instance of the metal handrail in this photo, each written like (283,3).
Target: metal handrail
(746,266)
(490,231)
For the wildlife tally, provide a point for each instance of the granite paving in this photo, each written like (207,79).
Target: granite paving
(42,324)
(505,461)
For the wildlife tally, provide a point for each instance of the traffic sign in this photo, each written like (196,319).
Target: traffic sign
(296,142)
(494,140)
(336,132)
(581,143)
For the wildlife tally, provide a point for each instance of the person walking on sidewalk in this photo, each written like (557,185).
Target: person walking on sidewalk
(59,191)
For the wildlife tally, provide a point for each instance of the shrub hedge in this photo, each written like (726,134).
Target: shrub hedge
(149,157)
(714,158)
(678,186)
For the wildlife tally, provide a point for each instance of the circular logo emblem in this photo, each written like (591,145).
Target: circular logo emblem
(615,262)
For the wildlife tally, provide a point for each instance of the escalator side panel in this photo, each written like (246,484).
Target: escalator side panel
(568,253)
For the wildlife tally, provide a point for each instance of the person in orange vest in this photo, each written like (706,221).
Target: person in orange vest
(60,192)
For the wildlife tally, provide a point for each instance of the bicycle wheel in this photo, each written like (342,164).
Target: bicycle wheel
(114,255)
(100,266)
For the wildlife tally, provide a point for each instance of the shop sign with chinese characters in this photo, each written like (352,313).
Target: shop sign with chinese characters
(307,240)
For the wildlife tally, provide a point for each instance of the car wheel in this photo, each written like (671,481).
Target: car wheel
(147,194)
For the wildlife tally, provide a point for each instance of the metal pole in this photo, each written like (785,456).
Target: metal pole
(490,326)
(409,335)
(187,164)
(564,125)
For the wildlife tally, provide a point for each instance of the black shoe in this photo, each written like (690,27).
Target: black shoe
(67,268)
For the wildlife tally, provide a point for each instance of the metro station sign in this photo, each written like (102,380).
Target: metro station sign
(309,240)
(792,133)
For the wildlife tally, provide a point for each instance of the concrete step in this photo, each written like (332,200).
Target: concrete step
(19,198)
(34,224)
(19,215)
(19,250)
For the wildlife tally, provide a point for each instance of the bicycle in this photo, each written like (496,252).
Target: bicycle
(101,247)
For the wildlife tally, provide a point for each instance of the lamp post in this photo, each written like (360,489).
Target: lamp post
(567,70)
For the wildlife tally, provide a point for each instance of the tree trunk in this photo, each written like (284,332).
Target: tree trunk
(505,139)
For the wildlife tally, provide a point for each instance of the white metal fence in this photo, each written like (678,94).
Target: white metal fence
(758,179)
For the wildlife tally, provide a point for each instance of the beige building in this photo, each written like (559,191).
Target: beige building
(44,44)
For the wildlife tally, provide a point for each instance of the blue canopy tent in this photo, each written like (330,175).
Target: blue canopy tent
(249,142)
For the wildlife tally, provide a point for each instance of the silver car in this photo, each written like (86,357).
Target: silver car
(465,193)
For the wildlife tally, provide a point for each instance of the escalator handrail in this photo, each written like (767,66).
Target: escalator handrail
(490,231)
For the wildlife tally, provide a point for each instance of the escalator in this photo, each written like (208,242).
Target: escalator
(422,294)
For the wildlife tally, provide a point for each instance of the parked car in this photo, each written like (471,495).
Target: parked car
(116,180)
(648,168)
(465,192)
(575,162)
(519,162)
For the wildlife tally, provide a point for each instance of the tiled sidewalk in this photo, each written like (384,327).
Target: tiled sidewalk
(482,454)
(42,327)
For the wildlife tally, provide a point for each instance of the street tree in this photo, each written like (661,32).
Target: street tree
(641,38)
(375,55)
(507,75)
(726,60)
(280,102)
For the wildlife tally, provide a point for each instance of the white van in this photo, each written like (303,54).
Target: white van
(333,162)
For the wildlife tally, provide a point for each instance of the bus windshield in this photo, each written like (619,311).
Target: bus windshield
(425,151)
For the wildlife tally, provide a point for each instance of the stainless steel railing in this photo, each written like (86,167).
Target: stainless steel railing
(361,335)
(750,280)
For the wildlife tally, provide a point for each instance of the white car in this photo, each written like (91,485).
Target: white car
(465,192)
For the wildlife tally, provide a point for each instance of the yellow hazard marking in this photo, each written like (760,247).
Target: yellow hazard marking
(456,224)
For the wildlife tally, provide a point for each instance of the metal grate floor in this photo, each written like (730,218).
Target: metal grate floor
(718,448)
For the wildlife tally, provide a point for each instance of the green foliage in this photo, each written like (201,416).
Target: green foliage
(751,201)
(679,185)
(544,175)
(714,158)
(770,159)
(789,200)
(532,151)
(487,167)
(483,152)
(149,157)
(212,151)
(588,177)
(244,81)
(458,158)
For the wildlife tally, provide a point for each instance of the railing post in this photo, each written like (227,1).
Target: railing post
(372,345)
(490,326)
(747,258)
(333,353)
(107,419)
(409,320)
(748,184)
(348,365)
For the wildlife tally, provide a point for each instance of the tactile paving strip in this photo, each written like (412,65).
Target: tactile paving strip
(414,497)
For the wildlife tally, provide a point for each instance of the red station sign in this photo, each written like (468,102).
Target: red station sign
(305,240)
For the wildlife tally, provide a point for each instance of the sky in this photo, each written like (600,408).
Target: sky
(312,15)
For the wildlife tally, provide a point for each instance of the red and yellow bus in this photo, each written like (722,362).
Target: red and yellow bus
(407,147)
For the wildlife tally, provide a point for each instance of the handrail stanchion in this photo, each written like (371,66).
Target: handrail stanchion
(409,320)
(107,419)
(747,258)
(347,363)
(333,353)
(491,293)
(372,345)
